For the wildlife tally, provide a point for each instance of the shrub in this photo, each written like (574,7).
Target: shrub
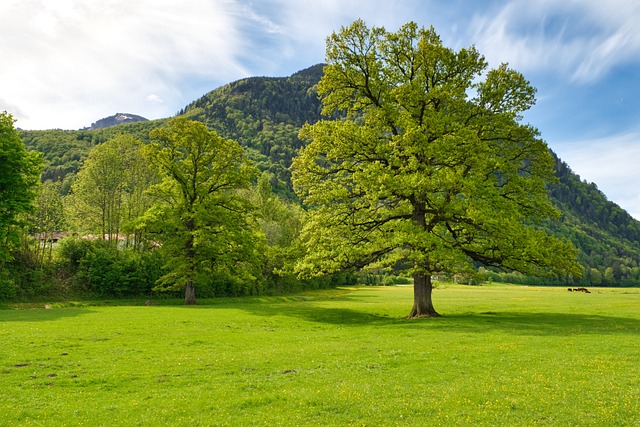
(72,250)
(108,272)
(8,289)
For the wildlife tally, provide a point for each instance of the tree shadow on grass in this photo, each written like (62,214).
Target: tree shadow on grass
(40,315)
(41,311)
(518,323)
(533,324)
(331,316)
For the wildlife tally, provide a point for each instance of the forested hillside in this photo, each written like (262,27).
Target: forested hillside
(608,237)
(65,151)
(265,114)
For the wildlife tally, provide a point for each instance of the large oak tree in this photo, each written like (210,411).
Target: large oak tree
(430,167)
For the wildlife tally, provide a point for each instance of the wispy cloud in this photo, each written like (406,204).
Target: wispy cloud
(95,58)
(583,39)
(154,98)
(306,24)
(68,62)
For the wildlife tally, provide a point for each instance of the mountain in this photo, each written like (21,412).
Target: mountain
(115,120)
(265,114)
(607,236)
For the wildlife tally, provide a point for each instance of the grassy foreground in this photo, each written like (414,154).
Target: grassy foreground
(502,355)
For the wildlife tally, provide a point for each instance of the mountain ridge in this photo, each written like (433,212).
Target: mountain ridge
(116,120)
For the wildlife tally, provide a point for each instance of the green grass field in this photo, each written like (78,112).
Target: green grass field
(501,355)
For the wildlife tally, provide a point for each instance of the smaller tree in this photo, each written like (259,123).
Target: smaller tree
(19,177)
(204,225)
(48,218)
(280,222)
(108,193)
(609,278)
(595,277)
(279,219)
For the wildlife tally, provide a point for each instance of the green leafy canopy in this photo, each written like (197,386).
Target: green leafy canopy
(19,177)
(431,166)
(204,225)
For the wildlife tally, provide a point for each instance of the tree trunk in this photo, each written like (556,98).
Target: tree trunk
(422,303)
(190,254)
(190,294)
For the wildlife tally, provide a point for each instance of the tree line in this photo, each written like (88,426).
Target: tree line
(187,210)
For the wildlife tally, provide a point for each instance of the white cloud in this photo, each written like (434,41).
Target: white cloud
(74,61)
(582,39)
(154,98)
(611,163)
(68,63)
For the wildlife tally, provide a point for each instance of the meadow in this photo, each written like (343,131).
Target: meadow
(500,355)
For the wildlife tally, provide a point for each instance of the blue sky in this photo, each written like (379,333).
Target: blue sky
(68,63)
